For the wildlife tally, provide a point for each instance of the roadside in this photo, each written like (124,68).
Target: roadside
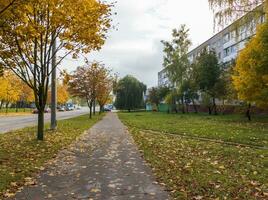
(10,123)
(21,155)
(15,112)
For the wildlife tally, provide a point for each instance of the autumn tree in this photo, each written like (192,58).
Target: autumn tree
(62,94)
(104,89)
(31,28)
(26,95)
(88,81)
(5,5)
(176,59)
(250,77)
(10,89)
(129,93)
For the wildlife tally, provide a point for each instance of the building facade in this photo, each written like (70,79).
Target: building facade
(226,44)
(163,80)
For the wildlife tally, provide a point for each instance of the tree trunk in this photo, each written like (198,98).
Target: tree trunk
(129,110)
(248,113)
(40,130)
(195,108)
(209,110)
(100,109)
(1,104)
(41,110)
(90,112)
(16,107)
(94,107)
(214,106)
(7,107)
(223,107)
(182,105)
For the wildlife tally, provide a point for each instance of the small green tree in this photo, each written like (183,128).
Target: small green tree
(129,94)
(157,94)
(190,93)
(176,59)
(209,73)
(171,99)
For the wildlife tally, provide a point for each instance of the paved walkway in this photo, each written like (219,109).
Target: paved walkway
(103,164)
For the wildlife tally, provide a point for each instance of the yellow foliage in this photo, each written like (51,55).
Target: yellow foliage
(62,94)
(10,88)
(92,82)
(250,77)
(27,93)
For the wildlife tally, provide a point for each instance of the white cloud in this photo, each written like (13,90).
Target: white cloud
(135,47)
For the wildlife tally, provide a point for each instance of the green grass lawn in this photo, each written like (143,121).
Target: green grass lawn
(14,111)
(21,155)
(229,128)
(194,169)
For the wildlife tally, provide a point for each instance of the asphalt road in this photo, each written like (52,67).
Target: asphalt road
(17,122)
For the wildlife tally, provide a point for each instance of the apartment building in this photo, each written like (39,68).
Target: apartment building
(163,80)
(226,44)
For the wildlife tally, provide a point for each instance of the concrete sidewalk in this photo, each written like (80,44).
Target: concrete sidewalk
(103,165)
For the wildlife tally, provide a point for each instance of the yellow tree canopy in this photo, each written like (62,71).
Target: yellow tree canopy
(104,89)
(29,28)
(10,88)
(91,82)
(251,70)
(26,94)
(62,94)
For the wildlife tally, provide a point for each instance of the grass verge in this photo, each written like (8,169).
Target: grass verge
(195,169)
(192,169)
(15,112)
(229,128)
(21,155)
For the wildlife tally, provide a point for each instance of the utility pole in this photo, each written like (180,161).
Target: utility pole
(53,124)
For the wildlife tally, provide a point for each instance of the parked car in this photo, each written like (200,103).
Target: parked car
(106,109)
(35,111)
(69,108)
(61,109)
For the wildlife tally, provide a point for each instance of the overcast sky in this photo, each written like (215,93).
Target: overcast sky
(135,48)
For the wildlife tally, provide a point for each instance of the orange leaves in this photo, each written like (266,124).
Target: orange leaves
(92,82)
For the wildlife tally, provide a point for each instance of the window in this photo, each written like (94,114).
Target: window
(262,18)
(219,55)
(226,37)
(233,49)
(226,52)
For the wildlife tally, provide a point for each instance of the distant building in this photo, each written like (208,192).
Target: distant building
(226,44)
(163,80)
